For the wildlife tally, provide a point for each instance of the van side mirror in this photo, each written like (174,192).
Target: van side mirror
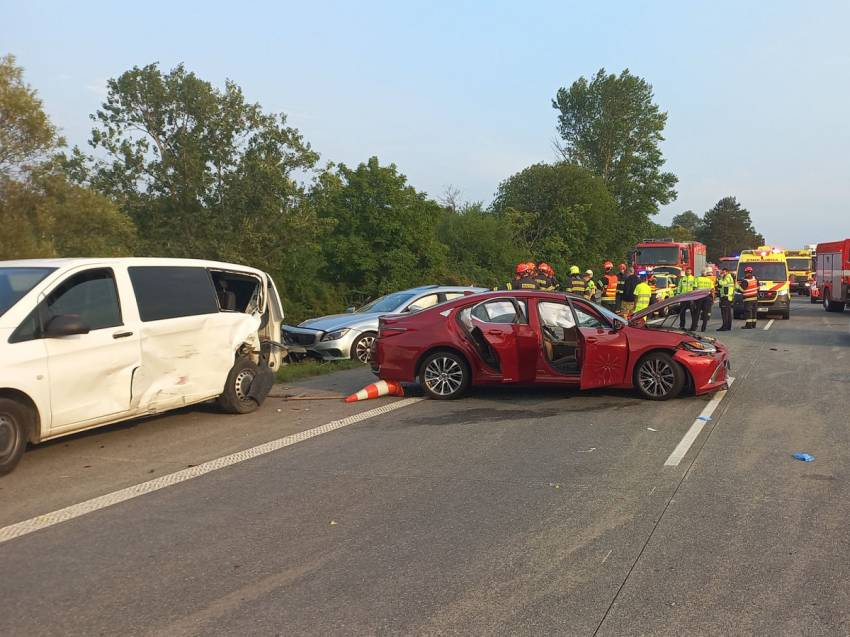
(350,310)
(65,325)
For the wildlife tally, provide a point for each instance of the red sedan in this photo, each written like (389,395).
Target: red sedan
(545,338)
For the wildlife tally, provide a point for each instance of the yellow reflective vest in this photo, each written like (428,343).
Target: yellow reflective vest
(686,284)
(642,295)
(726,286)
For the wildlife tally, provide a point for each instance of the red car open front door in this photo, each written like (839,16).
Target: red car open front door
(503,323)
(604,351)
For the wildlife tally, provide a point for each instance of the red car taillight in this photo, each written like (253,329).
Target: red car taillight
(386,332)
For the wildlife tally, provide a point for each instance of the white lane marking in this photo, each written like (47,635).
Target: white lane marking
(769,323)
(95,504)
(691,435)
(607,555)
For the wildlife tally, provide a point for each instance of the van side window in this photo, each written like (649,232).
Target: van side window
(236,292)
(164,292)
(91,295)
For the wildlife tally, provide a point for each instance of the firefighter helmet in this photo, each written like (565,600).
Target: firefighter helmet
(748,270)
(545,268)
(622,267)
(607,265)
(521,268)
(574,269)
(588,273)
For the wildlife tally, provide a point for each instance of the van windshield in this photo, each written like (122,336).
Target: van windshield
(765,270)
(16,282)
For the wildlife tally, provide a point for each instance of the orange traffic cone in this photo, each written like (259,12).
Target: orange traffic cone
(376,390)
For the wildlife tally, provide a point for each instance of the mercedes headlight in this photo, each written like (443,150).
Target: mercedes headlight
(336,335)
(782,293)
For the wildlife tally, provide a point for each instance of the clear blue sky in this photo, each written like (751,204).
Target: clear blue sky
(758,94)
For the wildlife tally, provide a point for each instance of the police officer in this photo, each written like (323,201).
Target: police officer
(702,308)
(749,289)
(589,285)
(642,293)
(575,282)
(546,277)
(685,285)
(726,292)
(524,278)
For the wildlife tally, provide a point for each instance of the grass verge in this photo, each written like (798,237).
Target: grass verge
(311,367)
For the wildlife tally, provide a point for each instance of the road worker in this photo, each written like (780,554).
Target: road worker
(642,293)
(749,289)
(589,285)
(608,284)
(726,292)
(524,278)
(685,285)
(702,308)
(575,282)
(546,277)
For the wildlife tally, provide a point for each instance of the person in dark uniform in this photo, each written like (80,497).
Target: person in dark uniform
(524,278)
(546,277)
(749,289)
(726,292)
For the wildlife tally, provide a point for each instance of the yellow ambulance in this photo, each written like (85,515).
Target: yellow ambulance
(770,267)
(800,269)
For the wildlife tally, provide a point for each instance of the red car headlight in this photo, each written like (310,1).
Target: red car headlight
(698,347)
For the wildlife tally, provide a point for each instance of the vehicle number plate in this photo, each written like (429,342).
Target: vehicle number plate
(763,309)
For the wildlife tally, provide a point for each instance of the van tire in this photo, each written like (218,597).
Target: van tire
(235,398)
(15,425)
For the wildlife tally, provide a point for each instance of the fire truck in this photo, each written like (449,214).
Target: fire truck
(800,267)
(771,269)
(670,257)
(833,274)
(731,264)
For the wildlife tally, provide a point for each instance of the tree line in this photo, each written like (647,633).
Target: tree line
(178,167)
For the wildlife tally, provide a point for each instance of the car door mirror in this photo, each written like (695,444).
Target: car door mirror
(350,310)
(65,325)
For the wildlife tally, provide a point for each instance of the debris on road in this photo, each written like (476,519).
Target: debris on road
(651,429)
(588,450)
(704,418)
(803,457)
(376,390)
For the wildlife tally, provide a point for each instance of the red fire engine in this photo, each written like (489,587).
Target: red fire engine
(833,274)
(666,255)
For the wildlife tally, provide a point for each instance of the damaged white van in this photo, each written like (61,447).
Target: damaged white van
(89,342)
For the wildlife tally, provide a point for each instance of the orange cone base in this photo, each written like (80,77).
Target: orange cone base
(376,390)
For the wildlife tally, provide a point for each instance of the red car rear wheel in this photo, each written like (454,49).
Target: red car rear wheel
(444,376)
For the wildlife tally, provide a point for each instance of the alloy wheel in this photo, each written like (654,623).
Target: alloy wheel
(656,377)
(443,376)
(363,349)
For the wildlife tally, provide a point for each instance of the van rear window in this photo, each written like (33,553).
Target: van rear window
(164,292)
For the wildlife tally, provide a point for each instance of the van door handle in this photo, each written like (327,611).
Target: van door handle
(122,334)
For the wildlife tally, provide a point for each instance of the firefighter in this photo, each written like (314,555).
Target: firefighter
(749,289)
(608,284)
(627,305)
(546,277)
(650,278)
(642,293)
(576,282)
(702,308)
(524,278)
(589,285)
(685,285)
(726,292)
(621,285)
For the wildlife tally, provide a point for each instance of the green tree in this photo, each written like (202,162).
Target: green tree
(727,229)
(562,214)
(611,126)
(384,235)
(688,220)
(201,171)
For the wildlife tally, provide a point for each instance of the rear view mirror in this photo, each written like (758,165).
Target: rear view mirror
(350,310)
(65,325)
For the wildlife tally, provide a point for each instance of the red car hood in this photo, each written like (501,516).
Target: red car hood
(690,296)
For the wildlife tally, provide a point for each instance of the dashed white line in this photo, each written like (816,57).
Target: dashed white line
(691,435)
(769,323)
(95,504)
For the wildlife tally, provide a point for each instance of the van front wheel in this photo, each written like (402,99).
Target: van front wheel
(236,399)
(15,422)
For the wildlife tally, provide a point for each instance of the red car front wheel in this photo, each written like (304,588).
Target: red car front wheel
(659,377)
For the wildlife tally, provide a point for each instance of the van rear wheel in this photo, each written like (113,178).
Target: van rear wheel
(15,423)
(236,398)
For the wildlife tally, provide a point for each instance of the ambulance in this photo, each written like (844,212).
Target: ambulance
(770,267)
(801,266)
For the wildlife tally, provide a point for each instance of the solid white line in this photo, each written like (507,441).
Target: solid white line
(769,323)
(95,504)
(691,435)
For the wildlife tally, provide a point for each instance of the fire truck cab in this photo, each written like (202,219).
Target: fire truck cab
(800,268)
(771,270)
(665,256)
(833,274)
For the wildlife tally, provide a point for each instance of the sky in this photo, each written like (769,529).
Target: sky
(459,93)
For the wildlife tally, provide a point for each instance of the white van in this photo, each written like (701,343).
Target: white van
(89,342)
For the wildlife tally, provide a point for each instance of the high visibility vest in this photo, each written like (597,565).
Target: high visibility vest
(609,291)
(749,287)
(686,284)
(590,290)
(643,292)
(726,284)
(577,284)
(703,283)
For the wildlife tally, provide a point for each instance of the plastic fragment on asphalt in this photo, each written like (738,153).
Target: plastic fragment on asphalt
(587,450)
(803,457)
(333,522)
(704,418)
(651,429)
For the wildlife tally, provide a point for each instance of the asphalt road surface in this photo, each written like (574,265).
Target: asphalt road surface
(511,512)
